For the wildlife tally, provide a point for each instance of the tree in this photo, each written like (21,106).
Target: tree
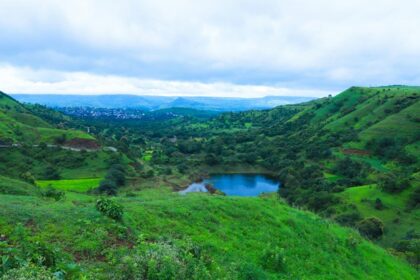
(108,186)
(372,227)
(116,176)
(211,159)
(51,173)
(60,140)
(393,183)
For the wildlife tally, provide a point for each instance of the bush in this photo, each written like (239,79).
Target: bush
(28,272)
(348,219)
(273,259)
(110,208)
(117,176)
(108,187)
(211,159)
(372,228)
(22,252)
(378,204)
(28,177)
(53,193)
(249,271)
(162,260)
(393,183)
(414,200)
(51,173)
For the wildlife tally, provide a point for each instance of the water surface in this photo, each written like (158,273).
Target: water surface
(237,184)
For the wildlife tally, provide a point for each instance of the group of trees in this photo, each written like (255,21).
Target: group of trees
(393,182)
(391,149)
(306,186)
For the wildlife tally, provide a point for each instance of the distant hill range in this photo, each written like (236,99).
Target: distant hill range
(159,102)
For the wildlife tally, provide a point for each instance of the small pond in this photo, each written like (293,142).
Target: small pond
(237,184)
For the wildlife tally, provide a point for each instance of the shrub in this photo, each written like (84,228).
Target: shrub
(273,259)
(162,260)
(372,228)
(353,240)
(393,183)
(211,159)
(28,177)
(53,193)
(108,187)
(249,271)
(117,176)
(414,200)
(378,204)
(28,272)
(20,255)
(51,173)
(109,208)
(348,219)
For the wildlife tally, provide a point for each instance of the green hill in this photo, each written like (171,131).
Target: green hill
(19,125)
(374,113)
(197,236)
(332,156)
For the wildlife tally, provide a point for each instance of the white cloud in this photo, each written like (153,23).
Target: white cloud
(304,43)
(26,80)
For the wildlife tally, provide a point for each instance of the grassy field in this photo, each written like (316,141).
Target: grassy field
(398,221)
(233,233)
(76,185)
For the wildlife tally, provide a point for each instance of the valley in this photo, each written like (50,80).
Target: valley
(324,189)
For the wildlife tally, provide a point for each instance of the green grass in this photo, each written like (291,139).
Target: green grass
(397,220)
(76,185)
(147,155)
(17,187)
(229,231)
(331,177)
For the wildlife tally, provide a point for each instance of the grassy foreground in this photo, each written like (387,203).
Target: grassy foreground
(239,238)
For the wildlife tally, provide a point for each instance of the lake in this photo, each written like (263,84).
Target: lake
(237,184)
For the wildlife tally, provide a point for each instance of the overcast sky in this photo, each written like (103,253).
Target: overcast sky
(207,47)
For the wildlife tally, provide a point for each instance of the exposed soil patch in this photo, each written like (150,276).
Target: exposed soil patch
(80,143)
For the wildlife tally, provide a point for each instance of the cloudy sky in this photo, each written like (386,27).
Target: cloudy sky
(207,47)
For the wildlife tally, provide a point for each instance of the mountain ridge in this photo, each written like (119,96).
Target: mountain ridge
(159,102)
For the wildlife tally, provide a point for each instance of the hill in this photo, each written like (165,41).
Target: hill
(167,236)
(19,125)
(353,159)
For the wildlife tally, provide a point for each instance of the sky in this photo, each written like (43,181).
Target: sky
(230,48)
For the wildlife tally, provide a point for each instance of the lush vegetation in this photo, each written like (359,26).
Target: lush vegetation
(163,235)
(104,208)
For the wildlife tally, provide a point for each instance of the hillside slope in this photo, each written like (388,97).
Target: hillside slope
(19,125)
(228,238)
(373,112)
